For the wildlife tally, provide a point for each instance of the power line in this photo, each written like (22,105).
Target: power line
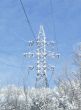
(54,31)
(7,64)
(28,21)
(16,36)
(10,65)
(53,22)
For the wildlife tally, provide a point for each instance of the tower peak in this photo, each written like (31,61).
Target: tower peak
(41,33)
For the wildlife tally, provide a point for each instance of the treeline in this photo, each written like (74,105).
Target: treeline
(66,95)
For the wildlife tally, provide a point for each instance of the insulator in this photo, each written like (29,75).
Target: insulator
(52,68)
(31,43)
(50,43)
(58,55)
(24,54)
(51,54)
(31,67)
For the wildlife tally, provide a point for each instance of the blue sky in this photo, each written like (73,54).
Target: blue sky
(15,32)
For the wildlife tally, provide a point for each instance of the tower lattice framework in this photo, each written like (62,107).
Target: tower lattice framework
(41,53)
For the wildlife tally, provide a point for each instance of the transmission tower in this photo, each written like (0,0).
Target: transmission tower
(41,53)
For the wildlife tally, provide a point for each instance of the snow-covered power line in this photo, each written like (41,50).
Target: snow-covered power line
(41,53)
(52,9)
(28,21)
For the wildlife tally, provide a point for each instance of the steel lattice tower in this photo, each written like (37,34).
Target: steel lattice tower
(41,79)
(41,54)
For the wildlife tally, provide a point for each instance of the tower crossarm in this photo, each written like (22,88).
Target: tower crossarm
(50,43)
(29,55)
(53,54)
